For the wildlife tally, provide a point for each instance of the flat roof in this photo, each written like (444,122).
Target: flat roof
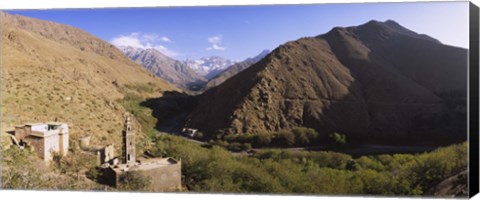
(44,123)
(146,164)
(152,163)
(42,134)
(55,123)
(32,124)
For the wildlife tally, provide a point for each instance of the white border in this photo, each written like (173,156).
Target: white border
(73,195)
(55,4)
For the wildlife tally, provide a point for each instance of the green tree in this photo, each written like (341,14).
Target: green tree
(246,146)
(304,136)
(352,165)
(338,139)
(262,139)
(286,138)
(301,137)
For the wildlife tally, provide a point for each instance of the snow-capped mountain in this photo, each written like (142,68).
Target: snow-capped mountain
(173,71)
(235,69)
(209,67)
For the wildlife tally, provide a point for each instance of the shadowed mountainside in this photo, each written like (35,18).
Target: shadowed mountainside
(377,82)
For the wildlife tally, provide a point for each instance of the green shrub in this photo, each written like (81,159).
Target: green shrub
(304,136)
(235,147)
(215,169)
(284,138)
(367,162)
(262,139)
(131,102)
(18,171)
(352,165)
(246,146)
(427,170)
(338,139)
(220,143)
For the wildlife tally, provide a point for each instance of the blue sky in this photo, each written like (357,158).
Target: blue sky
(238,32)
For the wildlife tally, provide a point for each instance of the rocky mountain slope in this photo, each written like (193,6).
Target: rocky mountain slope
(52,71)
(171,70)
(377,83)
(235,69)
(208,67)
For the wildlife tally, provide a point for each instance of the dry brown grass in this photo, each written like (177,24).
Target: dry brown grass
(53,71)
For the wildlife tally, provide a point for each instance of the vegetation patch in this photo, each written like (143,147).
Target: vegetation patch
(280,171)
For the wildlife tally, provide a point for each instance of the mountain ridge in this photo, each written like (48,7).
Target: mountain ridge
(68,74)
(353,80)
(234,69)
(174,71)
(209,66)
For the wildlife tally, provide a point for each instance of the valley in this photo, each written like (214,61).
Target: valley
(370,109)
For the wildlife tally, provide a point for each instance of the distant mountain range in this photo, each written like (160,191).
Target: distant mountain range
(378,82)
(209,67)
(235,69)
(189,74)
(169,69)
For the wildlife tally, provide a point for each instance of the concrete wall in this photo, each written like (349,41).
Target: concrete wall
(84,142)
(107,153)
(38,144)
(20,133)
(63,143)
(64,128)
(46,142)
(110,177)
(165,178)
(52,145)
(40,128)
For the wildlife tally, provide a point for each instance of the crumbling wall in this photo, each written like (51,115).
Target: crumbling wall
(38,145)
(107,154)
(20,133)
(84,142)
(109,177)
(165,178)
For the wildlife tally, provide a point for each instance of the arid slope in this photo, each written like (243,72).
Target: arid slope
(53,71)
(377,82)
(235,69)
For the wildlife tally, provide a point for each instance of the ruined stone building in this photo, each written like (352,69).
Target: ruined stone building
(107,154)
(46,138)
(164,173)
